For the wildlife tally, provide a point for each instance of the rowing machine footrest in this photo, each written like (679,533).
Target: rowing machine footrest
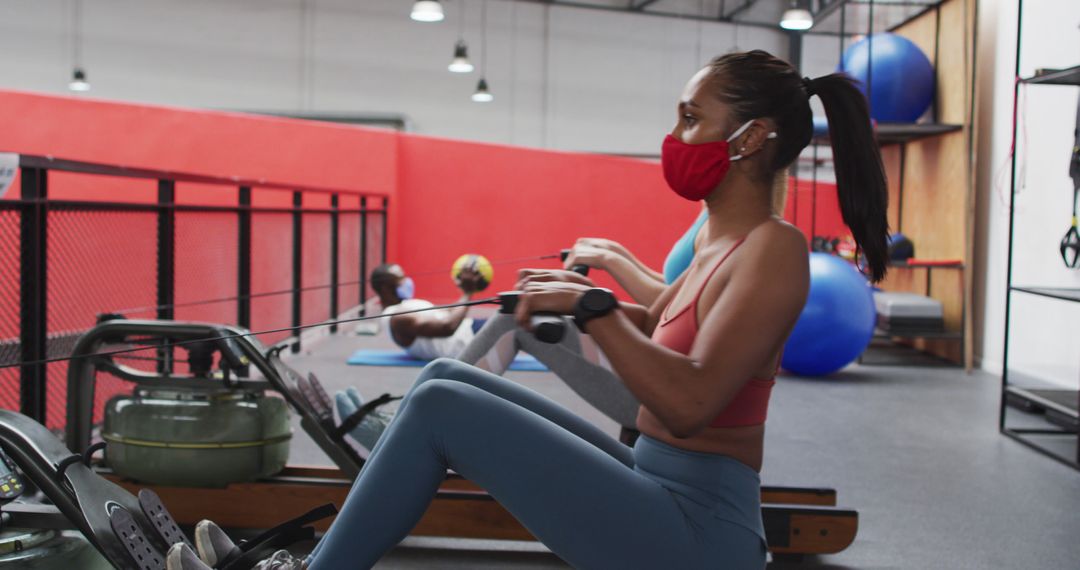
(354,419)
(138,546)
(318,397)
(248,552)
(163,521)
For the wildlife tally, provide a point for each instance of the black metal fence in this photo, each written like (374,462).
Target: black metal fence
(63,263)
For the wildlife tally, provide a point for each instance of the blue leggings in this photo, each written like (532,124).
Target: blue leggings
(593,501)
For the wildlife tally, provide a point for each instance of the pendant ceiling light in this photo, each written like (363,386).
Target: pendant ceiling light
(427,11)
(461,63)
(78,82)
(482,93)
(797,18)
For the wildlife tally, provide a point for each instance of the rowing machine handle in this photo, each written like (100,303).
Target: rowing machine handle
(547,327)
(582,269)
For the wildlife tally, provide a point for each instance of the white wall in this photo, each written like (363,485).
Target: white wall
(1045,339)
(563,78)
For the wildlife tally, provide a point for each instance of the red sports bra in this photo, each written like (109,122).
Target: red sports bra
(749,406)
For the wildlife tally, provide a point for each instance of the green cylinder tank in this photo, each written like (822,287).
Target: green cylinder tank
(193,438)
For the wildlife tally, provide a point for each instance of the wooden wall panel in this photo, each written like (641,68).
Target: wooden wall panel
(936,192)
(952,52)
(954,69)
(935,198)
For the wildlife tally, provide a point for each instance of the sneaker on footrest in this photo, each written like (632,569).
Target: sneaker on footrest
(181,557)
(212,544)
(367,433)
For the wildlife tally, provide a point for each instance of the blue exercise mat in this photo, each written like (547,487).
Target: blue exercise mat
(392,357)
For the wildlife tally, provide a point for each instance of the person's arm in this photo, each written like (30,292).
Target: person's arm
(431,324)
(637,314)
(528,275)
(436,324)
(616,247)
(744,327)
(643,286)
(645,318)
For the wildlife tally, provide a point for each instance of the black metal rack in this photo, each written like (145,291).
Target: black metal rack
(1069,76)
(900,133)
(1044,418)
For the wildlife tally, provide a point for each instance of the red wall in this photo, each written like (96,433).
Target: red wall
(193,141)
(447,197)
(506,203)
(820,217)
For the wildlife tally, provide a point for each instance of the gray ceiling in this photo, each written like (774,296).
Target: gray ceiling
(855,14)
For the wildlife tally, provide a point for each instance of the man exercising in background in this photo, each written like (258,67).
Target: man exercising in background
(425,335)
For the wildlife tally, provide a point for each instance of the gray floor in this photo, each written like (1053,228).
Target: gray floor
(915,450)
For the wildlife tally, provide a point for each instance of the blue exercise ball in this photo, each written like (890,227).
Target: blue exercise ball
(836,324)
(901,80)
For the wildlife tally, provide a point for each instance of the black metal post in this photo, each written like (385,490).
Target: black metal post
(334,230)
(363,256)
(243,256)
(297,263)
(33,316)
(937,41)
(1012,221)
(843,28)
(795,45)
(166,263)
(166,249)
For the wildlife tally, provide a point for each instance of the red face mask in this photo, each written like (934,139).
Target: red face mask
(693,171)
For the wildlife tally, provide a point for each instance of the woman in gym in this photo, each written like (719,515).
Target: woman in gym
(701,360)
(576,359)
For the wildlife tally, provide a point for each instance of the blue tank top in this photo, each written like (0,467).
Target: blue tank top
(682,253)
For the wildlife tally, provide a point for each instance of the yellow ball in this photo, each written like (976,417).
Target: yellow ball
(476,262)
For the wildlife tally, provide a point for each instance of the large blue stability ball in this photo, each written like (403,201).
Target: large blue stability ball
(836,324)
(901,80)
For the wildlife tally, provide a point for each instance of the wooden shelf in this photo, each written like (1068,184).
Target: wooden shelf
(903,265)
(1065,402)
(897,133)
(936,335)
(1069,76)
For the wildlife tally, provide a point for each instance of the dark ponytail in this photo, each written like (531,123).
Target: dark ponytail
(757,84)
(860,176)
